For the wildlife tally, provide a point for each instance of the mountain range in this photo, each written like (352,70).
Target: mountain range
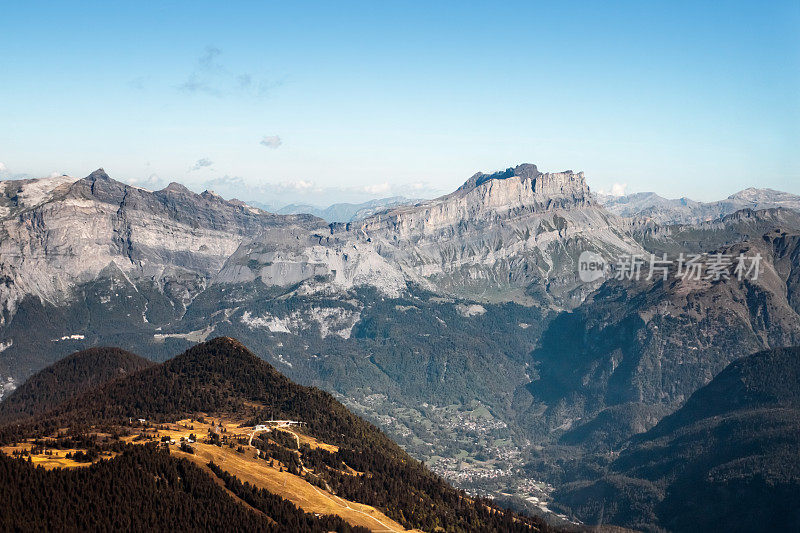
(342,212)
(460,326)
(651,206)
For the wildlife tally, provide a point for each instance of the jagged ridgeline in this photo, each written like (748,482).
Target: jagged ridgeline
(222,378)
(92,261)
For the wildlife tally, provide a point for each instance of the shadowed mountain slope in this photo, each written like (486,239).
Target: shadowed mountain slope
(636,350)
(726,461)
(68,378)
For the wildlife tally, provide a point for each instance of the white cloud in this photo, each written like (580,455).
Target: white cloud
(271,141)
(2,167)
(288,190)
(300,185)
(264,191)
(203,162)
(152,182)
(212,77)
(420,190)
(224,182)
(617,189)
(378,188)
(206,77)
(207,60)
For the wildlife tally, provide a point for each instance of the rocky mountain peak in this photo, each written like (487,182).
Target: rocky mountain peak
(523,171)
(524,186)
(764,197)
(504,195)
(176,188)
(528,171)
(98,174)
(751,193)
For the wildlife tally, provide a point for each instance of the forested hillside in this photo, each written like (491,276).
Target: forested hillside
(67,378)
(726,461)
(222,377)
(141,490)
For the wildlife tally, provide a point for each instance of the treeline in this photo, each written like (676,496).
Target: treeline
(271,451)
(141,490)
(218,376)
(282,511)
(145,489)
(411,494)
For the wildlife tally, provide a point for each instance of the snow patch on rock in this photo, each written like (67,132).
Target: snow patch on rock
(272,323)
(335,320)
(281,359)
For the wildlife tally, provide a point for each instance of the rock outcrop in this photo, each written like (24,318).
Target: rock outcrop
(511,235)
(59,232)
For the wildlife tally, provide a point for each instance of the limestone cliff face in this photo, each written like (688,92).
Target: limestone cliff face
(511,235)
(514,234)
(488,197)
(56,233)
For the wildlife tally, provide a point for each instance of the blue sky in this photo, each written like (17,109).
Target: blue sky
(323,102)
